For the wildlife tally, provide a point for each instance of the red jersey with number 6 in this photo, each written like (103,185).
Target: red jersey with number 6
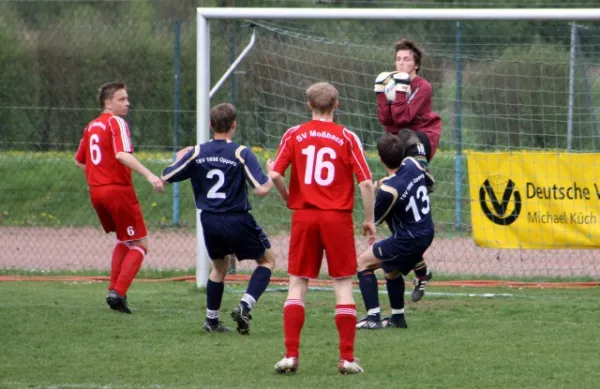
(324,157)
(102,139)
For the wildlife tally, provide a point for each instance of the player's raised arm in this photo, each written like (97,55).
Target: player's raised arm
(254,173)
(383,82)
(180,169)
(404,109)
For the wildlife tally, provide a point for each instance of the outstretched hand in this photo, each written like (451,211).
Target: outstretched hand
(269,165)
(157,183)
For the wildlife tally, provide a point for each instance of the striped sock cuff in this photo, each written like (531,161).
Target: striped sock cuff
(138,248)
(345,309)
(290,302)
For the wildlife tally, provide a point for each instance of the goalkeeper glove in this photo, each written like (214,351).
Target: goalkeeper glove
(402,83)
(382,79)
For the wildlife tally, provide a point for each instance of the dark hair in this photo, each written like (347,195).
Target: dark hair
(390,150)
(405,44)
(222,117)
(107,91)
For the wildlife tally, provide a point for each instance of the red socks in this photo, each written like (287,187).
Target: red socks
(293,320)
(131,264)
(345,320)
(121,249)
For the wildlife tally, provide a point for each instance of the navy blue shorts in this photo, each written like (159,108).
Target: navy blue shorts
(401,254)
(233,233)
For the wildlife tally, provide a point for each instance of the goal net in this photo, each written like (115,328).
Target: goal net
(499,86)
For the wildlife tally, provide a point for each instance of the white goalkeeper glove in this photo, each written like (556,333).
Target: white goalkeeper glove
(382,79)
(402,83)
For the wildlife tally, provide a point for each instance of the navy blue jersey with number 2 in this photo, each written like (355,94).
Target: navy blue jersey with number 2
(219,171)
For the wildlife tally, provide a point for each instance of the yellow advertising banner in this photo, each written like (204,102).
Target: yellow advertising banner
(535,200)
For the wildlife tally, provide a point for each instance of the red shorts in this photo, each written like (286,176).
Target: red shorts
(315,230)
(118,209)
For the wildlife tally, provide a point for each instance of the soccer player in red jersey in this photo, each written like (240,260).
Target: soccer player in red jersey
(324,157)
(105,155)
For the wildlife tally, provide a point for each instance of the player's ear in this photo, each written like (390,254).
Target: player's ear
(309,105)
(336,104)
(234,125)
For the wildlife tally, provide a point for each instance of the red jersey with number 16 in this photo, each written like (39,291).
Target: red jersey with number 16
(102,139)
(324,157)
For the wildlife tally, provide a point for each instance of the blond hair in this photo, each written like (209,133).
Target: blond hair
(322,97)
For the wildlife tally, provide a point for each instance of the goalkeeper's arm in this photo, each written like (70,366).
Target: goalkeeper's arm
(383,105)
(406,108)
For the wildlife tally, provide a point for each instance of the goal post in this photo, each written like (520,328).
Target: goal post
(205,15)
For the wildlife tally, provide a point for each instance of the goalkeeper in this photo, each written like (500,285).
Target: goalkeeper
(404,101)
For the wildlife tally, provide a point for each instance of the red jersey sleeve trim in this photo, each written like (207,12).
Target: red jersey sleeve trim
(121,130)
(361,162)
(283,160)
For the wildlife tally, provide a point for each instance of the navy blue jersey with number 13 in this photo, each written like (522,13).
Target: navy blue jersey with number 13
(402,202)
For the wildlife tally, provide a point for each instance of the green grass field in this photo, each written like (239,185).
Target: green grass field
(47,189)
(61,335)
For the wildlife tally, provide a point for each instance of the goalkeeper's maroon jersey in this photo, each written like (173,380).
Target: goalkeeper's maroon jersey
(413,112)
(325,157)
(102,139)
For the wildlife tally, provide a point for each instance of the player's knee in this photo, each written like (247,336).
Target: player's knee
(343,291)
(142,243)
(392,275)
(365,262)
(219,269)
(267,260)
(297,288)
(361,263)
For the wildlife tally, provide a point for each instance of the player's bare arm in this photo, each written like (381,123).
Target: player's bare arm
(367,194)
(277,180)
(131,162)
(279,184)
(264,189)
